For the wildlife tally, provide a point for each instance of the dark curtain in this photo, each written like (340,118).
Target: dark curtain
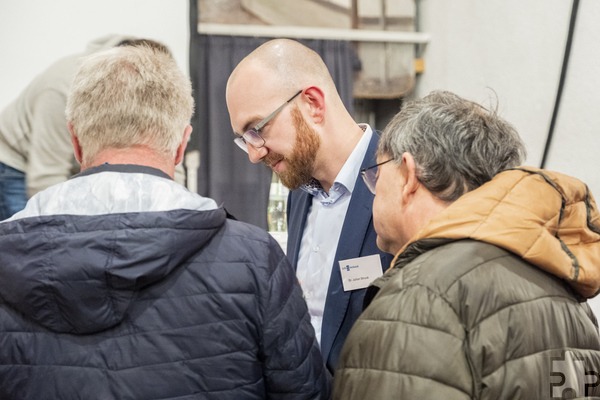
(225,173)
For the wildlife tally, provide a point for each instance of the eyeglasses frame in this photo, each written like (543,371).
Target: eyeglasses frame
(370,175)
(253,134)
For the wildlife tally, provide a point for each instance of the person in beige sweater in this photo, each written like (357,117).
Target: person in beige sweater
(35,145)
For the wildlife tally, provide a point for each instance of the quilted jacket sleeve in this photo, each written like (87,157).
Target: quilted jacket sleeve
(294,367)
(408,344)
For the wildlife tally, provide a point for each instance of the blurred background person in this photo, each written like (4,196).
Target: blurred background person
(35,145)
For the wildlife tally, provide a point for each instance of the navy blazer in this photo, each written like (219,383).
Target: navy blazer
(358,239)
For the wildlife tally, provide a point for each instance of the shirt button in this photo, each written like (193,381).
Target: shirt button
(316,249)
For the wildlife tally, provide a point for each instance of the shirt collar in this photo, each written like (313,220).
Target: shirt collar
(346,178)
(126,168)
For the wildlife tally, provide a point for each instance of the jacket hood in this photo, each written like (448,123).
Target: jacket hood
(549,219)
(77,271)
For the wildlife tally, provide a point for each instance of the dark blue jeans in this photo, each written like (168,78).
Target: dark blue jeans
(13,195)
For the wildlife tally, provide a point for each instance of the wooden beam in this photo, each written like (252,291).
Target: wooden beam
(302,32)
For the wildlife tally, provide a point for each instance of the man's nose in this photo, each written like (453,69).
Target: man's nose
(256,155)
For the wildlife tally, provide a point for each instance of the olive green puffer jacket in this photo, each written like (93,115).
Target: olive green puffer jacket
(487,301)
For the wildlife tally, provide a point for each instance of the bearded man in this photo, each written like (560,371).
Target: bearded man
(287,113)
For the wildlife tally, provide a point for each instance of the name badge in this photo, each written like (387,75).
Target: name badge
(358,273)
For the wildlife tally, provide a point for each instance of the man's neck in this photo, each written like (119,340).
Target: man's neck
(137,155)
(338,153)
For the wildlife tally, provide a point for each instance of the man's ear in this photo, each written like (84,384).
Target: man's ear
(412,182)
(180,153)
(75,141)
(315,98)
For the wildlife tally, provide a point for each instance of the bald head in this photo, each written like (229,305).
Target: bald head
(284,65)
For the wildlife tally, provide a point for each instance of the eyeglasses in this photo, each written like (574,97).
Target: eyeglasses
(252,135)
(369,175)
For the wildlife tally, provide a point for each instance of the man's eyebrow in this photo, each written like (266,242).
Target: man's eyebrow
(252,122)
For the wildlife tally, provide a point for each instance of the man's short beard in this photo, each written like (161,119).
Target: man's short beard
(300,164)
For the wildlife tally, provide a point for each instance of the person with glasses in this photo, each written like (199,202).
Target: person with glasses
(486,296)
(122,284)
(286,113)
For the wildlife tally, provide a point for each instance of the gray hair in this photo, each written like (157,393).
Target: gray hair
(126,96)
(457,144)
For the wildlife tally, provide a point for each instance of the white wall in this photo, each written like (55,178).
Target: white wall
(34,33)
(515,48)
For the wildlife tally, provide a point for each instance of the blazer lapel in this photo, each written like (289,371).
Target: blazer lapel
(356,223)
(298,205)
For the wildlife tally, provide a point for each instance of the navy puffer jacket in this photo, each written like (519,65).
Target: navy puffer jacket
(124,285)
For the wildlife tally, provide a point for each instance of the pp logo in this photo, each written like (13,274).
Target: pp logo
(349,267)
(570,378)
